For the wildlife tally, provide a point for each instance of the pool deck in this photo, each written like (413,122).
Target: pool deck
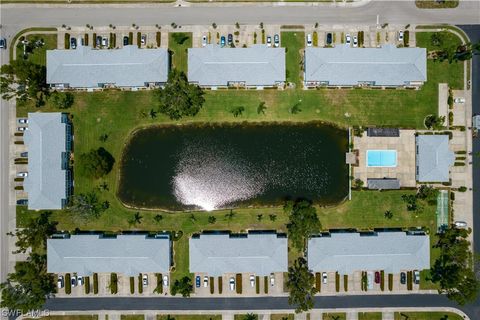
(405,146)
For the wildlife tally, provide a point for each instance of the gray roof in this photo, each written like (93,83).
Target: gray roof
(350,252)
(383,184)
(217,254)
(85,67)
(433,158)
(258,65)
(347,66)
(126,254)
(46,143)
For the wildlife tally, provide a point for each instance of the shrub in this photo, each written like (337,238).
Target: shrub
(95,283)
(220,285)
(87,285)
(382,280)
(265,284)
(140,283)
(159,39)
(67,40)
(159,287)
(113,283)
(461,189)
(86,39)
(318,281)
(139,39)
(390,282)
(238,280)
(364,281)
(315,39)
(68,284)
(132,285)
(337,282)
(212,285)
(345,282)
(452,195)
(94,40)
(130,38)
(450,117)
(406,38)
(257,284)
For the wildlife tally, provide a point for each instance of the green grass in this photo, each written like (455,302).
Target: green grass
(39,55)
(426,316)
(178,43)
(282,316)
(334,316)
(294,42)
(132,317)
(369,316)
(423,40)
(191,317)
(433,4)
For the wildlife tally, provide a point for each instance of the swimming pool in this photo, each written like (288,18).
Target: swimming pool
(381,158)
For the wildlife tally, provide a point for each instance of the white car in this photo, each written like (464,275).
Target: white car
(23,120)
(269,41)
(370,280)
(400,35)
(22,174)
(252,281)
(272,279)
(205,281)
(324,278)
(460,224)
(143,39)
(165,281)
(348,39)
(204,41)
(459,100)
(232,283)
(22,129)
(80,280)
(355,41)
(60,282)
(145,280)
(309,40)
(416,276)
(104,42)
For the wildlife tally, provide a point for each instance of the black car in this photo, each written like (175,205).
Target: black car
(403,278)
(230,38)
(329,38)
(3,43)
(24,154)
(22,202)
(73,43)
(99,41)
(125,41)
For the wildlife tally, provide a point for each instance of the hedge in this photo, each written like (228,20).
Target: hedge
(265,284)
(95,283)
(113,283)
(130,38)
(337,282)
(345,282)
(94,40)
(238,280)
(86,39)
(220,285)
(212,285)
(257,284)
(390,282)
(315,39)
(318,281)
(67,40)
(87,285)
(364,281)
(140,283)
(406,38)
(159,287)
(68,283)
(159,39)
(132,285)
(409,280)
(139,39)
(382,280)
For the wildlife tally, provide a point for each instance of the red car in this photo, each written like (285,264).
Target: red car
(377,277)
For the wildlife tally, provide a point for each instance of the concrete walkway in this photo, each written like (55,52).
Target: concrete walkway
(388,315)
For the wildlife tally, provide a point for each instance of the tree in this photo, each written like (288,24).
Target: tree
(295,108)
(261,107)
(300,283)
(179,98)
(453,270)
(411,201)
(230,215)
(388,214)
(237,111)
(23,80)
(434,122)
(158,218)
(86,205)
(212,219)
(62,100)
(250,316)
(96,163)
(183,286)
(358,184)
(35,233)
(259,217)
(272,217)
(427,193)
(303,222)
(27,288)
(136,219)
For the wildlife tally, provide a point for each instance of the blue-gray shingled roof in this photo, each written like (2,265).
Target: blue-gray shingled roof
(217,254)
(45,140)
(257,65)
(86,67)
(433,158)
(347,66)
(126,254)
(350,252)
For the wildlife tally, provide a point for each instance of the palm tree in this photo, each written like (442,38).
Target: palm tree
(230,215)
(153,114)
(136,219)
(273,217)
(260,217)
(388,214)
(261,108)
(158,218)
(212,219)
(250,316)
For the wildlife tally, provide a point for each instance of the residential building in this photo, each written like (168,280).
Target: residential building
(433,158)
(256,66)
(88,68)
(48,141)
(257,253)
(125,254)
(347,252)
(387,66)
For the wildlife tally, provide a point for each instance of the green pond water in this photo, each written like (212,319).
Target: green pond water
(222,166)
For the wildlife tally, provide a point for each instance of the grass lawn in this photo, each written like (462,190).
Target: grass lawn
(294,42)
(178,43)
(334,316)
(72,317)
(369,316)
(132,317)
(426,316)
(190,317)
(282,316)
(433,4)
(39,55)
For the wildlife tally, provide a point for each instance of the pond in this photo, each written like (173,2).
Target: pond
(218,166)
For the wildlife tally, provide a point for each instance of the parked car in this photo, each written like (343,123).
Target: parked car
(232,283)
(22,128)
(204,41)
(355,41)
(459,100)
(222,41)
(348,39)
(24,154)
(104,42)
(143,39)
(252,280)
(73,281)
(329,38)
(230,39)
(276,40)
(3,43)
(165,281)
(205,281)
(370,280)
(126,41)
(22,174)
(23,120)
(99,41)
(197,281)
(60,282)
(309,40)
(269,41)
(403,277)
(377,277)
(400,35)
(324,278)
(460,224)
(272,279)
(73,43)
(145,280)
(80,280)
(416,276)
(22,202)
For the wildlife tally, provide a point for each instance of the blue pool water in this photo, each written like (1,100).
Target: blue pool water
(381,158)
